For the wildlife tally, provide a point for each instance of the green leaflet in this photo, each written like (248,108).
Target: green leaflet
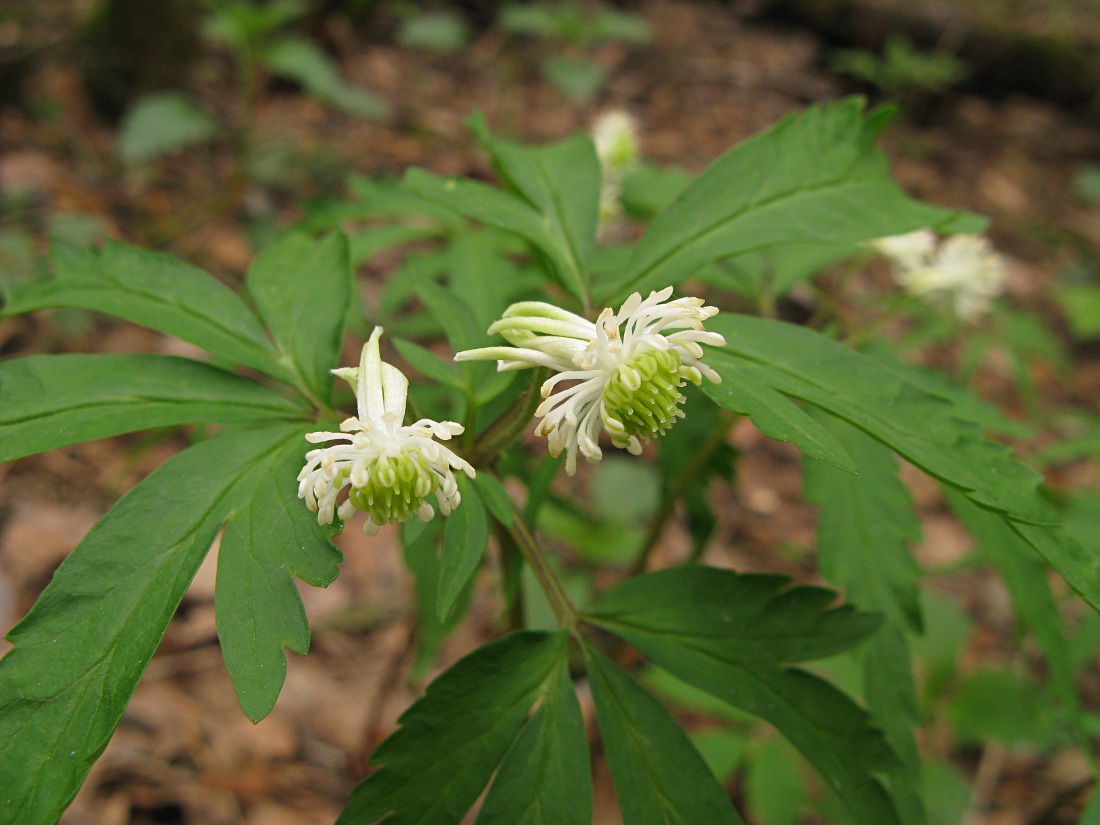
(464,538)
(52,401)
(302,288)
(79,652)
(879,400)
(812,178)
(913,421)
(660,779)
(502,210)
(452,739)
(864,530)
(495,497)
(731,634)
(156,291)
(270,538)
(774,415)
(546,777)
(553,204)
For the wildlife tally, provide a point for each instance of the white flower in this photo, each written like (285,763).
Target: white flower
(623,372)
(390,468)
(965,269)
(615,134)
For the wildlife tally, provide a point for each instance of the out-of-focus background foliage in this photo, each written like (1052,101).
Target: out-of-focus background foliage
(204,128)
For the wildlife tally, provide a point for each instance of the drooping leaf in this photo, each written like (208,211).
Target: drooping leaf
(79,652)
(1025,577)
(161,124)
(52,401)
(915,423)
(774,790)
(730,635)
(865,526)
(545,779)
(452,739)
(812,178)
(156,291)
(302,288)
(864,529)
(660,779)
(464,540)
(269,538)
(696,451)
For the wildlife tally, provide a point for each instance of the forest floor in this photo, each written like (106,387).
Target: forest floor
(184,752)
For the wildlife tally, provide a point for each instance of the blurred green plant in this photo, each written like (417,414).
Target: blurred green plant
(902,72)
(566,33)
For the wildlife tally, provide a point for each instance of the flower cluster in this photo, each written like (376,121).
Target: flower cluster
(965,269)
(389,468)
(622,373)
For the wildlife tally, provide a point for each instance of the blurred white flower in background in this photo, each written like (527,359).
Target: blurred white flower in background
(615,134)
(964,269)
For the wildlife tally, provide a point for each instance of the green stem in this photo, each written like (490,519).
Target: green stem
(528,546)
(679,485)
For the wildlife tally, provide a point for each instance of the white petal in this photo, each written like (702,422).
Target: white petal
(369,393)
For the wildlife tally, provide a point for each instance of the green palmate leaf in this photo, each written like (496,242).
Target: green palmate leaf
(156,291)
(79,652)
(450,742)
(864,530)
(546,778)
(813,178)
(913,421)
(502,210)
(52,401)
(1025,577)
(453,314)
(480,271)
(562,182)
(271,537)
(730,634)
(302,288)
(464,540)
(865,527)
(660,779)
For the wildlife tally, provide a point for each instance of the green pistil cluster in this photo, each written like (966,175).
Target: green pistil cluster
(395,488)
(644,395)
